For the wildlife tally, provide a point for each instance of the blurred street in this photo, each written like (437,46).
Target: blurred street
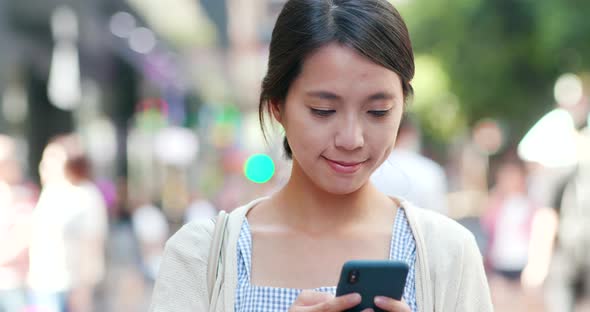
(123,120)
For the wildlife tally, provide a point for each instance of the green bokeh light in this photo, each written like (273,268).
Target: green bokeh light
(259,168)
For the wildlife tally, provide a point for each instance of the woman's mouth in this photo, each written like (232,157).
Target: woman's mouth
(344,167)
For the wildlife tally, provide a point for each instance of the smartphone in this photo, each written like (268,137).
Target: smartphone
(371,278)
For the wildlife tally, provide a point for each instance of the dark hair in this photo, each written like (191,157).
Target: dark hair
(508,157)
(77,165)
(374,28)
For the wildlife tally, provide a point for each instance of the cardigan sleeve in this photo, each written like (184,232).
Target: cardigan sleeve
(181,285)
(473,291)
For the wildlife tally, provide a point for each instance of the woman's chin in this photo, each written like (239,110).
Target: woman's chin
(343,188)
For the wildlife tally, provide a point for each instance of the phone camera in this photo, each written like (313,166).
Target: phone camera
(353,276)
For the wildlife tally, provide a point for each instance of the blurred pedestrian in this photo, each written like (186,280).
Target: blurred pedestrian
(568,276)
(508,219)
(507,223)
(151,230)
(407,173)
(16,203)
(557,148)
(69,231)
(338,78)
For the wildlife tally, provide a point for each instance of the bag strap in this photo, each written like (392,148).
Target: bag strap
(215,258)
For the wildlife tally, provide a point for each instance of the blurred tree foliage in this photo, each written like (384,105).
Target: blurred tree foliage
(502,57)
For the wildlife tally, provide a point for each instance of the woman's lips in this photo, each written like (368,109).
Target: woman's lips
(343,166)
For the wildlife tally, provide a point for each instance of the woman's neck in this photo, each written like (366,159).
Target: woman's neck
(304,205)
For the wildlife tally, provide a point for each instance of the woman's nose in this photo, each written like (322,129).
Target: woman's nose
(350,135)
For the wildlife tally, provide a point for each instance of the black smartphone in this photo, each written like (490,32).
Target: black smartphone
(371,278)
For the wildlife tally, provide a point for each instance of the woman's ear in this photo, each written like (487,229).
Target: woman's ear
(275,109)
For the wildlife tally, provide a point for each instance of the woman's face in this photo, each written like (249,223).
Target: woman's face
(341,117)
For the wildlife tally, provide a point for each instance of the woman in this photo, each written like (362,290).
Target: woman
(338,77)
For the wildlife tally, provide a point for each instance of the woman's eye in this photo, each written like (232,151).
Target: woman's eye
(322,112)
(379,113)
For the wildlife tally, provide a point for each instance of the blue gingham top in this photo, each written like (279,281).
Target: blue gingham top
(271,299)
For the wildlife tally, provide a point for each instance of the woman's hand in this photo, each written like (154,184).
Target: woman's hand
(391,305)
(313,301)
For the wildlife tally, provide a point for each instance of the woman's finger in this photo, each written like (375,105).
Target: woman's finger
(338,304)
(310,297)
(391,305)
(313,301)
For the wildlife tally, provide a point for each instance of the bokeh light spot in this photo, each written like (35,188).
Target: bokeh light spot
(259,168)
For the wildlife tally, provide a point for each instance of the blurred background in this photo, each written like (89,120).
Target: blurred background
(121,120)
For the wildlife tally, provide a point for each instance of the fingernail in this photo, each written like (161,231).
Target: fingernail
(354,298)
(368,310)
(380,300)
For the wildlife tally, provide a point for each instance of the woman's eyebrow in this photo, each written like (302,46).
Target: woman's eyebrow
(381,96)
(324,95)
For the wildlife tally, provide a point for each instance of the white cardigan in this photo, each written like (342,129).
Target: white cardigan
(449,268)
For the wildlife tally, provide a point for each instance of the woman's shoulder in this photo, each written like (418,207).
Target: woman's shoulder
(182,278)
(439,233)
(192,240)
(437,223)
(451,260)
